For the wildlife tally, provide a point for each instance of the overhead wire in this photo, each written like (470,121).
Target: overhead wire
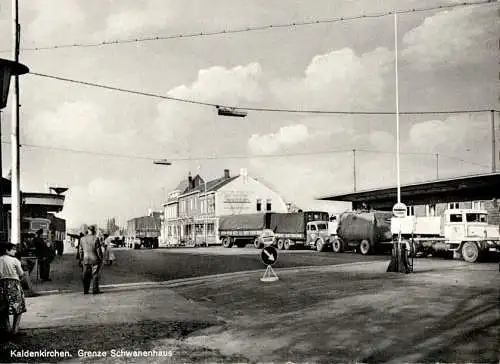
(255,28)
(240,156)
(249,108)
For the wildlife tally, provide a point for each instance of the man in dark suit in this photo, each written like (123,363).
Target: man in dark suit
(44,254)
(91,257)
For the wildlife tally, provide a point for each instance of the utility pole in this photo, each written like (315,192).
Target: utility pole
(16,191)
(354,168)
(437,166)
(493,144)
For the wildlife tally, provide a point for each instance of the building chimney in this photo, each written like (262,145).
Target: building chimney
(226,173)
(190,181)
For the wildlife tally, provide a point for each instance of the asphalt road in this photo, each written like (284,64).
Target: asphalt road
(134,266)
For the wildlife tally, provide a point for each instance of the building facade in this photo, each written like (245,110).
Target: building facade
(491,206)
(192,212)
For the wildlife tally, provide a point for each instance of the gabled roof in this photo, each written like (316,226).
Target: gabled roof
(216,184)
(210,186)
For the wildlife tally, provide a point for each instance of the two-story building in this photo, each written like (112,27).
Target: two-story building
(192,211)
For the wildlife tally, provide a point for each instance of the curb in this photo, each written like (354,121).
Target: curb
(186,281)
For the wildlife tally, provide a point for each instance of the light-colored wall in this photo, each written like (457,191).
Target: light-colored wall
(240,197)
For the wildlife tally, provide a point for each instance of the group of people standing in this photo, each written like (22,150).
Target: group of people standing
(15,269)
(93,252)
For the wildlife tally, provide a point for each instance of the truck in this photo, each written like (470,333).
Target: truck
(143,231)
(363,231)
(284,230)
(459,233)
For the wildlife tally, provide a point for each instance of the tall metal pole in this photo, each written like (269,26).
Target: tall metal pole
(354,168)
(16,192)
(493,143)
(397,105)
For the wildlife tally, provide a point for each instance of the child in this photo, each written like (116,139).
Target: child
(11,293)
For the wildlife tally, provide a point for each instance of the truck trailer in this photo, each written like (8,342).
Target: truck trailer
(365,231)
(459,233)
(143,231)
(309,228)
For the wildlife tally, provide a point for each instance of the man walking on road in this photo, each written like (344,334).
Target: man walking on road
(91,256)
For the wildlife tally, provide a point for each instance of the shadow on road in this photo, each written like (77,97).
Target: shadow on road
(475,319)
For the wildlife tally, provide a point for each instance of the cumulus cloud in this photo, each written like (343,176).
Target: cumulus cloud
(286,136)
(74,123)
(61,17)
(453,134)
(89,203)
(339,79)
(150,14)
(176,122)
(466,35)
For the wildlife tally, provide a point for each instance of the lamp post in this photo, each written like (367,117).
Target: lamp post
(399,262)
(163,162)
(7,70)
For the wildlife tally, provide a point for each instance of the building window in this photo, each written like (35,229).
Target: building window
(430,210)
(259,204)
(410,210)
(453,205)
(477,205)
(268,205)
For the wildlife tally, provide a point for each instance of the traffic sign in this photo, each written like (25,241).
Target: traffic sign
(269,255)
(399,210)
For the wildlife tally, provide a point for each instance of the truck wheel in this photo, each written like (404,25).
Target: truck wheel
(364,247)
(337,246)
(320,245)
(470,252)
(281,244)
(257,244)
(227,242)
(287,244)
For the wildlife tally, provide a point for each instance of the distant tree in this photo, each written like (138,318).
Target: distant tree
(111,227)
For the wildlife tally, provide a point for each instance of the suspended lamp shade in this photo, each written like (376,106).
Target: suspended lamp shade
(7,70)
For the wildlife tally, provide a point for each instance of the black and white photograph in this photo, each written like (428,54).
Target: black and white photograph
(260,181)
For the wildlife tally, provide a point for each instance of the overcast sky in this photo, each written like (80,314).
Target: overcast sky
(447,60)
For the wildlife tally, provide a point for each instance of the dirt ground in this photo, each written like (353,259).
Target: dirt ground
(436,314)
(446,311)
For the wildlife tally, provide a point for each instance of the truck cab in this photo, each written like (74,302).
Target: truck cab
(468,233)
(317,234)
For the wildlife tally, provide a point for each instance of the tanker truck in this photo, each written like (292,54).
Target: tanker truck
(364,231)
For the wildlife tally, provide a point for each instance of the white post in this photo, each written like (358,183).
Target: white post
(398,171)
(15,193)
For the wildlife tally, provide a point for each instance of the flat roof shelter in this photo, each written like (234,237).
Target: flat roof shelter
(37,204)
(467,188)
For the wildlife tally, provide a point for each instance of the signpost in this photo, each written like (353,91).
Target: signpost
(269,256)
(399,210)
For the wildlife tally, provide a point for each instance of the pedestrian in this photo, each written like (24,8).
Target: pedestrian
(77,245)
(11,293)
(27,264)
(91,255)
(44,254)
(109,255)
